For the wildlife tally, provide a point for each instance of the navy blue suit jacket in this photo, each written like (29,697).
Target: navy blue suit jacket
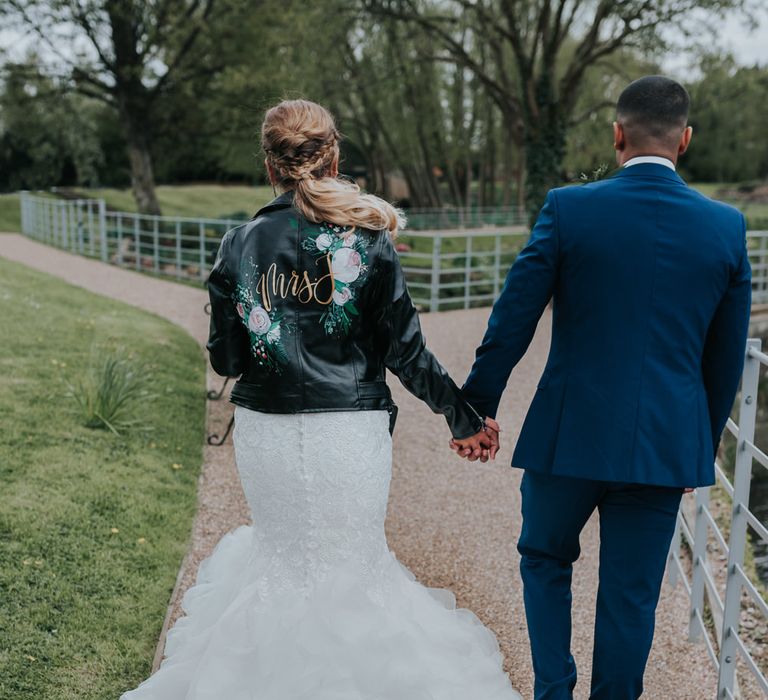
(651,289)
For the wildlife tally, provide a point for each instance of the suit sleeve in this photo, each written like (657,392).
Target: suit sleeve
(725,346)
(528,288)
(405,352)
(228,344)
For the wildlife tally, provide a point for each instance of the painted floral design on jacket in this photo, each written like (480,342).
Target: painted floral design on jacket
(265,328)
(348,252)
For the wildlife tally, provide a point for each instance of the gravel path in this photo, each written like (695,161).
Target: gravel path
(454,524)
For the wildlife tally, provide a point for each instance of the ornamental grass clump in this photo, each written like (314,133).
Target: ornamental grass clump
(110,392)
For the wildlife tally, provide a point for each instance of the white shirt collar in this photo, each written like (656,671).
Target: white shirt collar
(650,159)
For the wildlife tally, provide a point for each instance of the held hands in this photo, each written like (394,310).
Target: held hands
(483,445)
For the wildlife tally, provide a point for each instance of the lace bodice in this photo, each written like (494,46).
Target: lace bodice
(315,503)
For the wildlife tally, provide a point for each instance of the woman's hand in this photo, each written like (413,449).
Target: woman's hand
(483,445)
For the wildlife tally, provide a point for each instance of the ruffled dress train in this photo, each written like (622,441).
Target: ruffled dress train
(309,603)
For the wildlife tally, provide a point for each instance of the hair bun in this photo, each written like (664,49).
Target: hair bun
(301,142)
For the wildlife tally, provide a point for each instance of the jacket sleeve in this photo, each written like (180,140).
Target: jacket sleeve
(528,288)
(405,352)
(725,346)
(228,344)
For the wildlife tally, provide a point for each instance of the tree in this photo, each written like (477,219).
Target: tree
(548,46)
(729,142)
(401,111)
(46,136)
(129,54)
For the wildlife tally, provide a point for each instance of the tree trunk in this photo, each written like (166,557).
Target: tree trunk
(376,180)
(508,175)
(520,183)
(482,172)
(468,179)
(544,153)
(133,111)
(133,102)
(142,175)
(489,196)
(451,169)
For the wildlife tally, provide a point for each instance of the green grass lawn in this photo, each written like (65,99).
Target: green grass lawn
(210,201)
(10,214)
(93,526)
(222,201)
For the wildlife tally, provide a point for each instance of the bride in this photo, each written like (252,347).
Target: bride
(309,306)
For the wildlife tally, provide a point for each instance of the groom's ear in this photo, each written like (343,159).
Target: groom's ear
(619,141)
(685,140)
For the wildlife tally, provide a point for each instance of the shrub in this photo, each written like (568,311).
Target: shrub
(109,392)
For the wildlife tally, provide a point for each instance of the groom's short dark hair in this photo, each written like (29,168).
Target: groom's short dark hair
(653,108)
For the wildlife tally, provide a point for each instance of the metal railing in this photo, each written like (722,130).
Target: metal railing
(458,269)
(460,217)
(175,246)
(446,269)
(758,257)
(460,263)
(710,554)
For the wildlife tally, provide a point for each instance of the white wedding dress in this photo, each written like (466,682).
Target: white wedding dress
(309,603)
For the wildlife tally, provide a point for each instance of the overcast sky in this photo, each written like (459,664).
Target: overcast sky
(748,45)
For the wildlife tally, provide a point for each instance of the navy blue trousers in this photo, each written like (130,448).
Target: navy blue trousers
(636,527)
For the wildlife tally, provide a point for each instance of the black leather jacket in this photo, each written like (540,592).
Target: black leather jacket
(310,318)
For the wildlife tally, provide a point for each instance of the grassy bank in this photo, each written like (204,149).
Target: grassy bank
(10,214)
(209,201)
(93,526)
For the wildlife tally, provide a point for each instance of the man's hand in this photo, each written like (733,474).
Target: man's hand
(483,445)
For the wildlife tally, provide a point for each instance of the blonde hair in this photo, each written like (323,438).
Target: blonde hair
(301,143)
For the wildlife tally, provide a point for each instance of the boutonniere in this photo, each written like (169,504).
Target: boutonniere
(601,172)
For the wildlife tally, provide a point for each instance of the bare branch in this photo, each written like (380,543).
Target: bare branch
(579,118)
(456,49)
(185,48)
(81,18)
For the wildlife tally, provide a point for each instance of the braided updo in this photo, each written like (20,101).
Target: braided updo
(301,144)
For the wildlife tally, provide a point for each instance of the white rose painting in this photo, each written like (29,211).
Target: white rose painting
(348,253)
(265,328)
(259,321)
(342,296)
(324,241)
(346,264)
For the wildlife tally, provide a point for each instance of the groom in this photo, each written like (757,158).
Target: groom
(651,288)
